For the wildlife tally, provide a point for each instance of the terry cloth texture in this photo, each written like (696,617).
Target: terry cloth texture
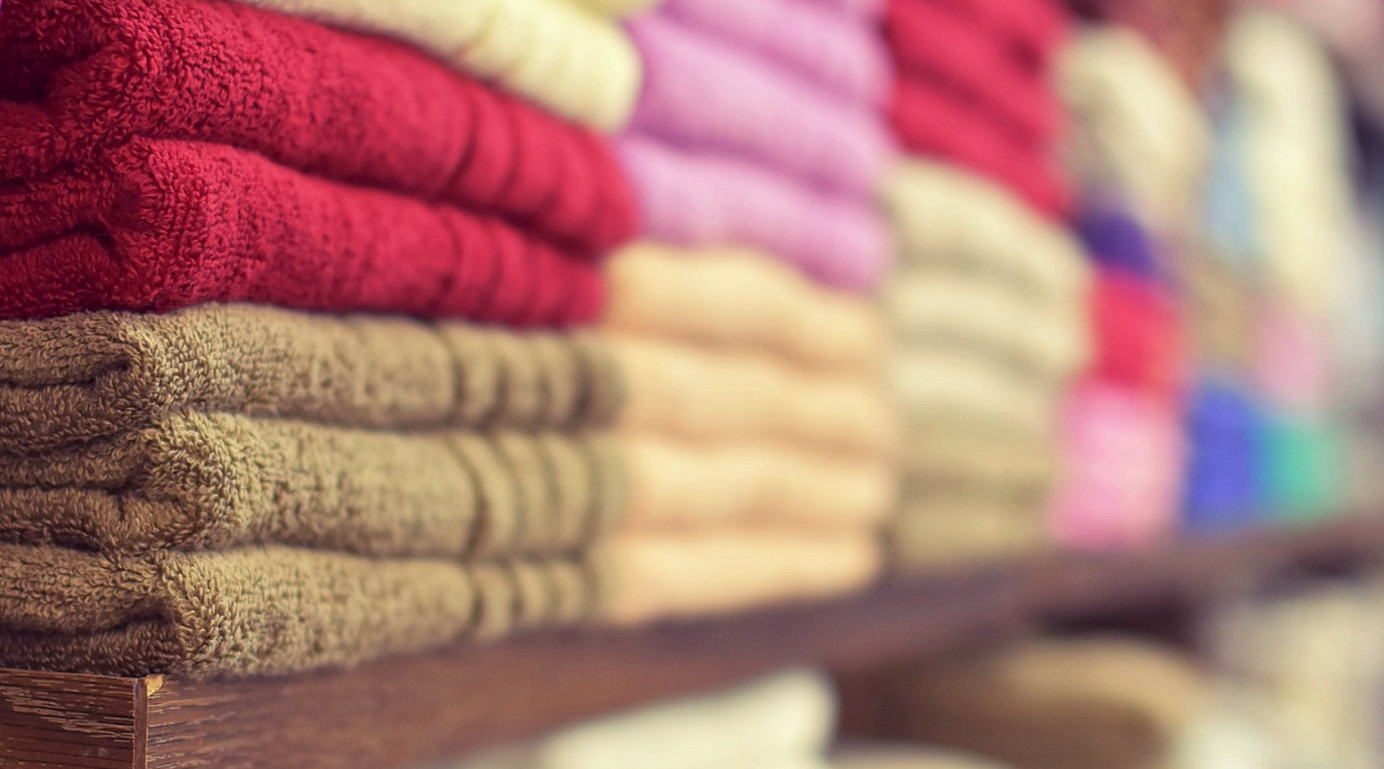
(703,92)
(158,225)
(707,395)
(705,199)
(215,481)
(737,298)
(649,576)
(88,75)
(1099,702)
(263,610)
(552,51)
(828,46)
(65,381)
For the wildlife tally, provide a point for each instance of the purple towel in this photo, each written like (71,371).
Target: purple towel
(705,200)
(704,93)
(835,49)
(1116,239)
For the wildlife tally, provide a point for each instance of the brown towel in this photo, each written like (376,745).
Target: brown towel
(706,394)
(211,481)
(261,610)
(71,379)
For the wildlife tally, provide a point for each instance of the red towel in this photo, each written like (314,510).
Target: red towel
(936,44)
(1139,339)
(1035,29)
(86,75)
(157,225)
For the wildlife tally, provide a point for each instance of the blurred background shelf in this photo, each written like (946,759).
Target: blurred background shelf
(400,712)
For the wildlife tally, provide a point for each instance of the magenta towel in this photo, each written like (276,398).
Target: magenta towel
(702,92)
(835,49)
(705,200)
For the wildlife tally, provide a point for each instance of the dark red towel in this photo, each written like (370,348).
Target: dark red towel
(82,76)
(930,122)
(156,225)
(936,44)
(1139,338)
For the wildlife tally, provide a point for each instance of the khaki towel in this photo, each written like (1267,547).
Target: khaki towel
(210,481)
(739,298)
(677,486)
(646,577)
(706,395)
(1056,704)
(948,456)
(262,610)
(67,380)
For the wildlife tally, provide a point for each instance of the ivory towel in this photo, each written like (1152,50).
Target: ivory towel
(935,384)
(68,380)
(257,611)
(704,199)
(735,298)
(552,51)
(159,225)
(703,92)
(677,487)
(88,75)
(708,396)
(213,481)
(647,577)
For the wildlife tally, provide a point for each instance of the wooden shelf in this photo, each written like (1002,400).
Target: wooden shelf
(397,713)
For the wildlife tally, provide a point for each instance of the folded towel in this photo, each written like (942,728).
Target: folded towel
(1304,465)
(646,577)
(711,200)
(1036,29)
(69,380)
(1292,359)
(707,396)
(548,50)
(941,45)
(1114,238)
(866,10)
(1139,339)
(949,384)
(90,74)
(952,456)
(1218,304)
(261,611)
(734,298)
(685,488)
(904,756)
(703,92)
(158,225)
(213,481)
(828,45)
(616,7)
(947,214)
(950,529)
(941,307)
(1223,490)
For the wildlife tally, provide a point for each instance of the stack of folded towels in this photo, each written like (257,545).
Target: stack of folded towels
(759,434)
(988,304)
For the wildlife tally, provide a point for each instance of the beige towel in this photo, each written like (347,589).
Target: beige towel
(261,610)
(706,395)
(67,380)
(944,455)
(904,756)
(935,384)
(735,297)
(646,577)
(205,481)
(952,529)
(677,486)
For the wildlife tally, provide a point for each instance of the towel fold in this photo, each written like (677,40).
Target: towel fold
(551,51)
(158,225)
(704,92)
(616,7)
(733,298)
(214,481)
(1035,29)
(932,384)
(950,529)
(907,756)
(952,456)
(707,396)
(68,380)
(680,488)
(827,45)
(948,214)
(712,200)
(89,75)
(648,577)
(258,611)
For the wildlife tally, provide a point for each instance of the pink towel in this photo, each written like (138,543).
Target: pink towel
(702,92)
(829,45)
(708,200)
(1291,360)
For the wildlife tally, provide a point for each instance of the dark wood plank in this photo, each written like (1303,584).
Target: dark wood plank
(57,721)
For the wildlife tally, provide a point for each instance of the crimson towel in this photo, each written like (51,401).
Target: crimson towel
(1033,29)
(705,92)
(710,200)
(157,225)
(85,75)
(1139,340)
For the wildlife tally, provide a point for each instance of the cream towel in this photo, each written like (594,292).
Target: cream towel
(735,297)
(904,756)
(618,7)
(954,529)
(938,384)
(552,51)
